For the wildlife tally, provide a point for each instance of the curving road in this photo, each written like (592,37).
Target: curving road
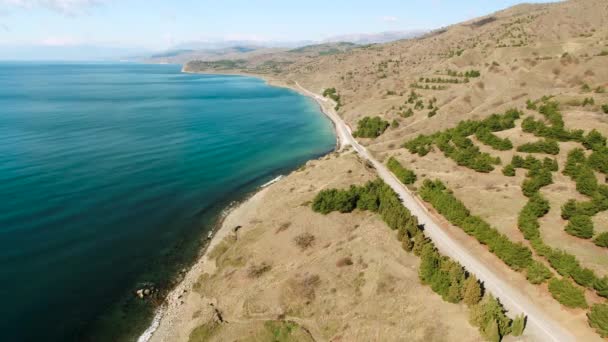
(539,326)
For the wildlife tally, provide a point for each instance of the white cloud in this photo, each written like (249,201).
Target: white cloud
(69,7)
(390,19)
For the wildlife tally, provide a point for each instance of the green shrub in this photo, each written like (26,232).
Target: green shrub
(563,262)
(601,240)
(598,319)
(472,73)
(487,311)
(516,255)
(542,146)
(605,108)
(580,226)
(471,291)
(332,93)
(484,135)
(406,176)
(584,277)
(394,124)
(588,101)
(508,170)
(567,293)
(537,273)
(586,182)
(455,144)
(330,200)
(527,221)
(370,127)
(600,285)
(518,325)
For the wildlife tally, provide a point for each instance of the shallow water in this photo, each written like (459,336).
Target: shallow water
(108,170)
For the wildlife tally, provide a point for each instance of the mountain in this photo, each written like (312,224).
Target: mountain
(375,38)
(239,49)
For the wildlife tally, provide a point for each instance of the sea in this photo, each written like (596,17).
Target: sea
(111,176)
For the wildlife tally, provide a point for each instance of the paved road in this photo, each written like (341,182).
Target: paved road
(539,327)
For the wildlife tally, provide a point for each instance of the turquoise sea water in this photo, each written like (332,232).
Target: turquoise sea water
(110,174)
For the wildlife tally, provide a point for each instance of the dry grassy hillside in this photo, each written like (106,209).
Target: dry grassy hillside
(509,59)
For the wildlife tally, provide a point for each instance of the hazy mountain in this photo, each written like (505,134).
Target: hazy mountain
(374,38)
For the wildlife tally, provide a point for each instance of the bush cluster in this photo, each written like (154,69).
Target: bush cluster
(445,276)
(557,131)
(490,317)
(468,73)
(527,221)
(484,135)
(455,144)
(580,226)
(428,87)
(580,169)
(598,319)
(567,293)
(539,173)
(537,273)
(406,176)
(516,255)
(547,146)
(332,93)
(371,127)
(442,80)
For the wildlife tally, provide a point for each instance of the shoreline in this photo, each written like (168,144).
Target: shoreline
(219,231)
(167,311)
(275,82)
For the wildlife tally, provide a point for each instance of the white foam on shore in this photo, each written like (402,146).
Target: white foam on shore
(272,181)
(147,335)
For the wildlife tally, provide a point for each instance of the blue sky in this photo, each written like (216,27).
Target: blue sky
(155,24)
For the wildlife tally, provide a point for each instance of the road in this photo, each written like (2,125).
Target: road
(539,326)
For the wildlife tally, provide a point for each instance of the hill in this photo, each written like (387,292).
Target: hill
(534,176)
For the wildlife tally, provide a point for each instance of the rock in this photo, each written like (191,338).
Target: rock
(140,293)
(147,292)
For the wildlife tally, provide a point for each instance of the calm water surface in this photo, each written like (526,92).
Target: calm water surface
(109,172)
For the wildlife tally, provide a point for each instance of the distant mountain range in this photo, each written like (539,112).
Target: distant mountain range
(184,52)
(234,49)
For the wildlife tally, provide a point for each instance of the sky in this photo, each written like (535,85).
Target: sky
(158,25)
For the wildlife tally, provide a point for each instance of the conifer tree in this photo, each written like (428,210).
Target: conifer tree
(518,325)
(471,291)
(490,332)
(407,245)
(598,319)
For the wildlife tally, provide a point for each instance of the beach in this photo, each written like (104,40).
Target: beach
(180,302)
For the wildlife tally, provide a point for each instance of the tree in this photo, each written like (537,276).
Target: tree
(407,245)
(569,209)
(537,273)
(580,226)
(371,127)
(490,309)
(518,326)
(490,332)
(601,240)
(508,170)
(598,319)
(405,175)
(567,293)
(601,286)
(583,276)
(471,294)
